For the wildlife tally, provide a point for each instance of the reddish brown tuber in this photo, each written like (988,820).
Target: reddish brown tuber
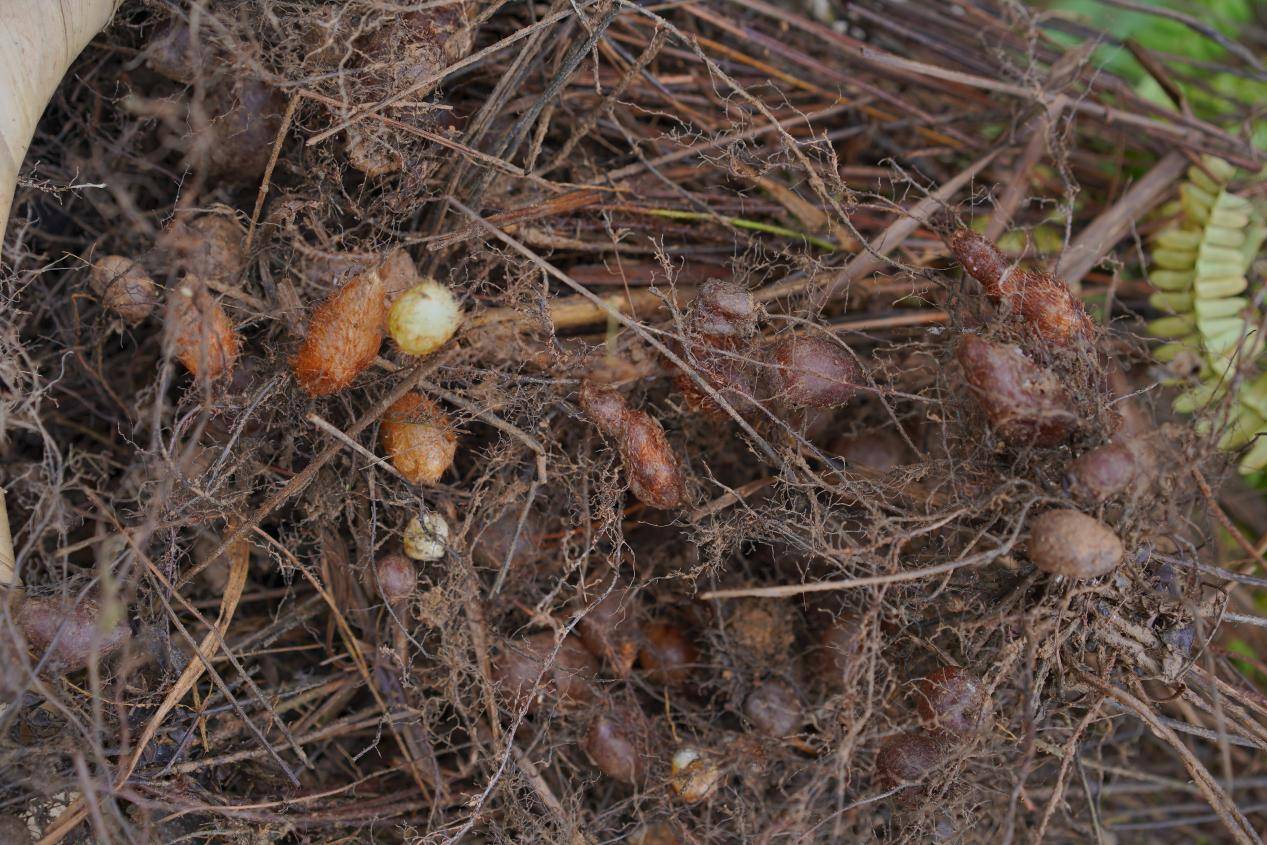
(397,578)
(723,312)
(418,438)
(951,700)
(667,656)
(498,540)
(908,758)
(209,246)
(124,287)
(811,372)
(616,742)
(774,708)
(199,333)
(839,651)
(1070,543)
(875,450)
(1045,303)
(609,629)
(344,335)
(655,477)
(1110,470)
(566,680)
(1025,404)
(64,635)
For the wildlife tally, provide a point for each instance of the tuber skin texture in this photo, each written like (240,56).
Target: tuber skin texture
(418,438)
(880,451)
(616,742)
(666,655)
(425,537)
(1045,303)
(774,708)
(209,246)
(1025,404)
(839,651)
(124,287)
(951,701)
(1110,470)
(655,476)
(199,333)
(610,631)
(397,578)
(694,775)
(344,335)
(908,758)
(566,681)
(723,312)
(64,635)
(811,372)
(1070,543)
(496,540)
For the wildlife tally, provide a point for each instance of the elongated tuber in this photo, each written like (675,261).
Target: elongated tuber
(655,476)
(811,372)
(344,335)
(1046,304)
(199,332)
(65,634)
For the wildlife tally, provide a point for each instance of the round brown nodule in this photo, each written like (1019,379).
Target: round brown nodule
(908,758)
(418,438)
(950,700)
(1070,543)
(774,708)
(615,742)
(397,578)
(811,372)
(667,656)
(566,681)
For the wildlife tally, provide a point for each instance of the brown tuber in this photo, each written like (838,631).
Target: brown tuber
(723,313)
(418,438)
(1110,470)
(397,578)
(123,287)
(811,372)
(694,775)
(609,629)
(199,332)
(950,700)
(774,708)
(1025,404)
(344,335)
(209,246)
(616,743)
(566,681)
(1045,303)
(655,477)
(880,451)
(839,651)
(1070,543)
(64,635)
(908,758)
(666,655)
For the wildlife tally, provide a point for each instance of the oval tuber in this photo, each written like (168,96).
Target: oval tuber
(418,438)
(908,758)
(344,335)
(774,708)
(666,655)
(811,372)
(65,634)
(566,680)
(616,742)
(694,775)
(199,333)
(1045,303)
(425,537)
(397,578)
(1070,543)
(123,287)
(424,318)
(1024,403)
(950,700)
